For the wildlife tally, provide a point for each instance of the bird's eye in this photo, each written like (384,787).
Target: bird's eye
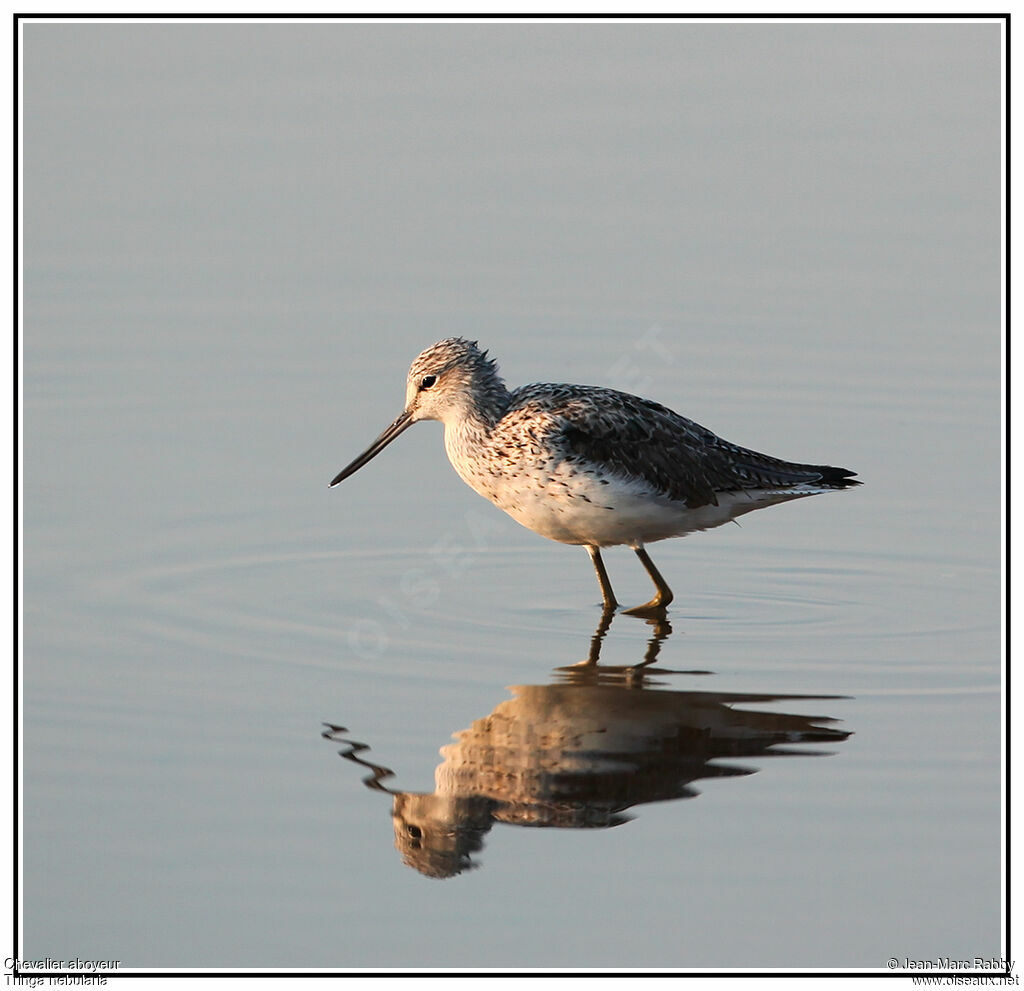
(427,381)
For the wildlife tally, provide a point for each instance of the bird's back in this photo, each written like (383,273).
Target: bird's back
(644,441)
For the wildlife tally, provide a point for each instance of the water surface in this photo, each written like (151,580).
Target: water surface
(236,239)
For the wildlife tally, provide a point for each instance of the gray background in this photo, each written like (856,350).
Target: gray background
(236,238)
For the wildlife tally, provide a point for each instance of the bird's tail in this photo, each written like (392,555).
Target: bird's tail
(836,478)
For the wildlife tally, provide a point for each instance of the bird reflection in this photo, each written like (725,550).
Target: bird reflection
(662,631)
(580,753)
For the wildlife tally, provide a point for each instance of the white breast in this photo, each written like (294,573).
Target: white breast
(576,505)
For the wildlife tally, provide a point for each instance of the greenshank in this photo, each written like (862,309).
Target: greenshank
(591,466)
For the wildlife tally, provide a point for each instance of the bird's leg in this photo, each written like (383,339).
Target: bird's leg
(663,595)
(602,576)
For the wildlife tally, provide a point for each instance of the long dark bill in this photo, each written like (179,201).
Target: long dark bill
(375,448)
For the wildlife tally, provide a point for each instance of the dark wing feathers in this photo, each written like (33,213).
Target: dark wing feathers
(644,440)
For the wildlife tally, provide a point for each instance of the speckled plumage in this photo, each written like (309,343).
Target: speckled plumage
(587,465)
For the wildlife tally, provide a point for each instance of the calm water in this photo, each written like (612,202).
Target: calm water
(236,239)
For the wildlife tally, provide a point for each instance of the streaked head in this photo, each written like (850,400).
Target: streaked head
(446,382)
(446,378)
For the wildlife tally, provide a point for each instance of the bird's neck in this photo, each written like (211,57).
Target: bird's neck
(471,426)
(487,401)
(464,437)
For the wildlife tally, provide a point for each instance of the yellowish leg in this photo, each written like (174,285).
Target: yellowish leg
(602,576)
(663,595)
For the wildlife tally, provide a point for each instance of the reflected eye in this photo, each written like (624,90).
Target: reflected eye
(427,381)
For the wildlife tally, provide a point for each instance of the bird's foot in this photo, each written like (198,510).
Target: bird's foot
(657,608)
